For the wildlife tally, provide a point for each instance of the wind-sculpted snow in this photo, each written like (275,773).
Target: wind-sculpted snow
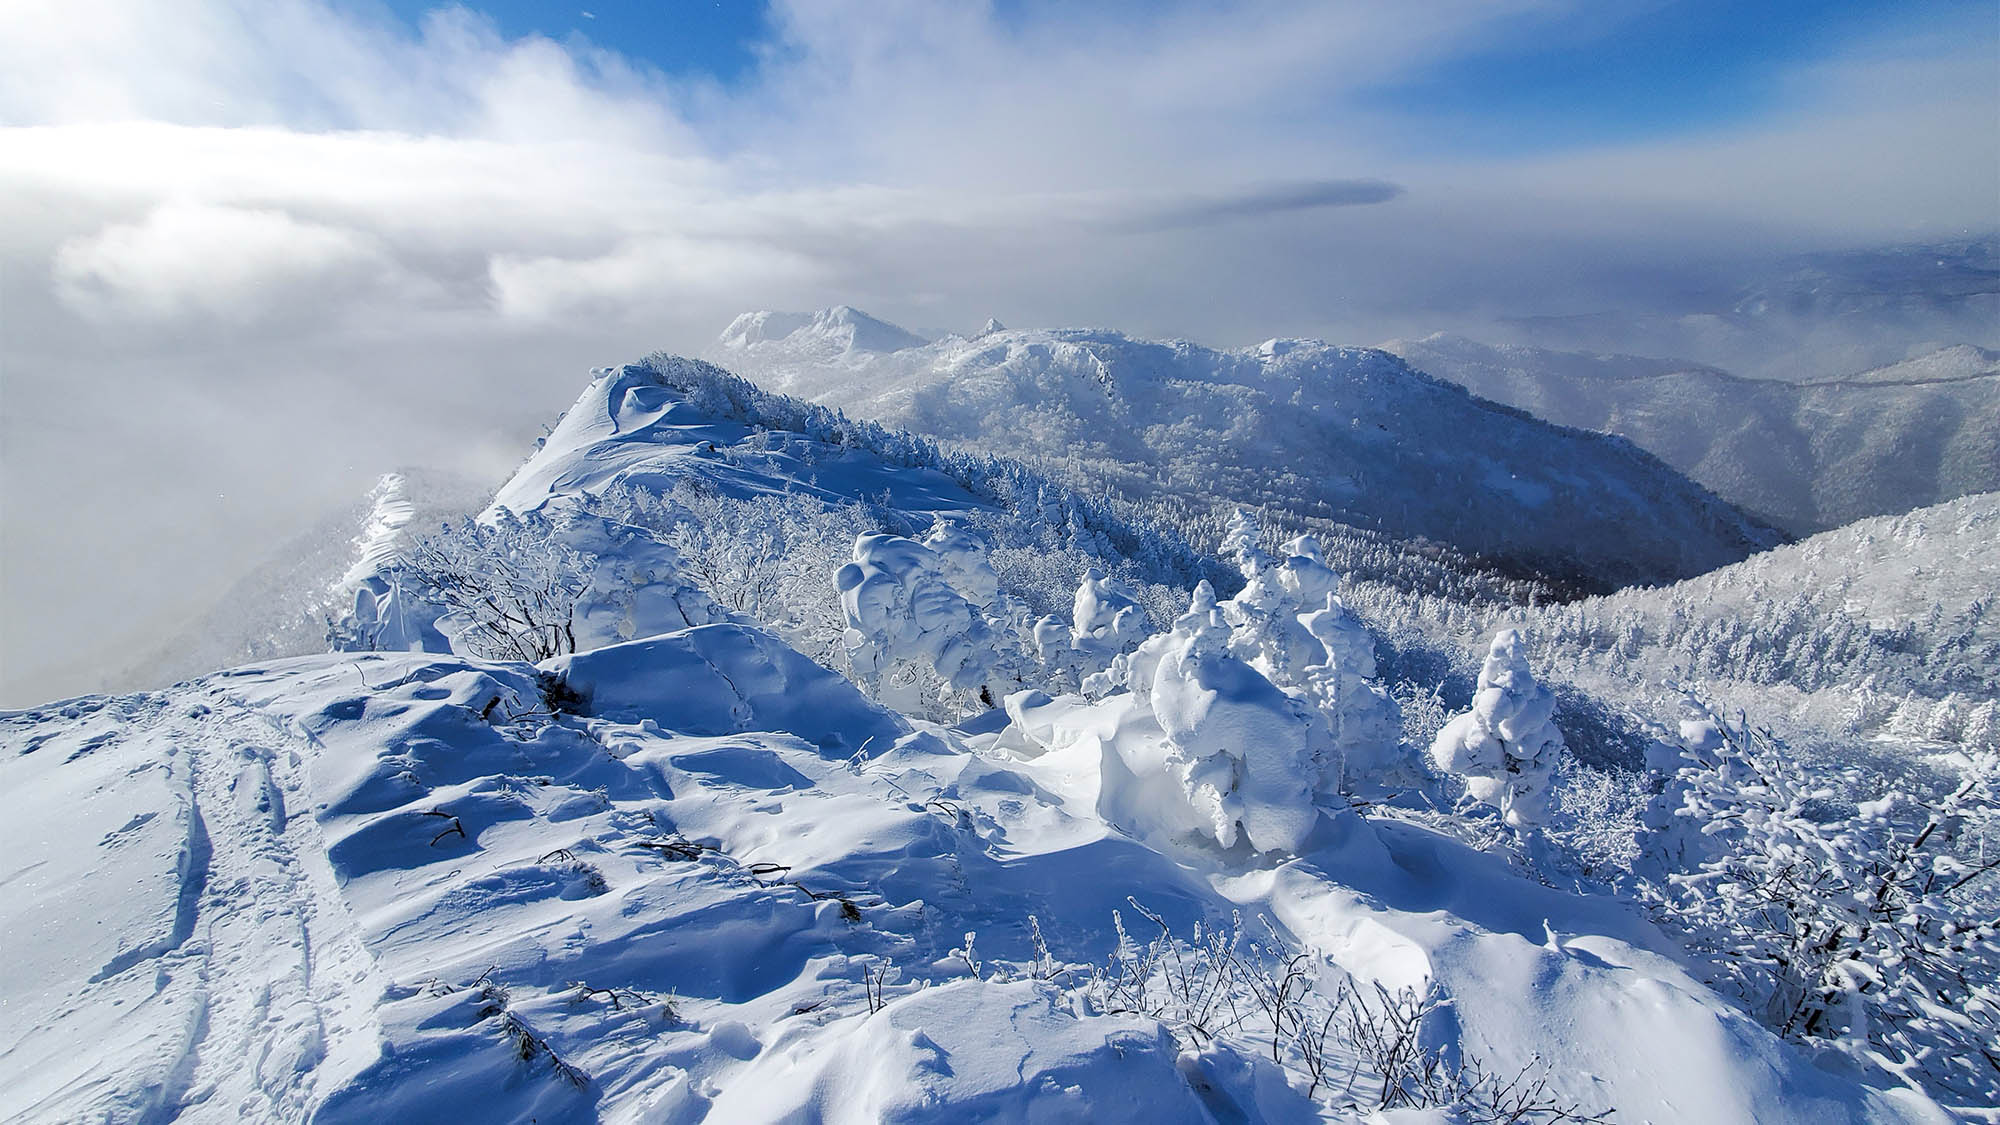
(1348,433)
(1105,619)
(407,887)
(901,608)
(723,678)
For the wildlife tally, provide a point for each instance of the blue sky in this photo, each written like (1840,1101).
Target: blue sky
(713,38)
(1540,82)
(1646,70)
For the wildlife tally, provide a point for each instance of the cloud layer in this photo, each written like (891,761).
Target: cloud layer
(251,254)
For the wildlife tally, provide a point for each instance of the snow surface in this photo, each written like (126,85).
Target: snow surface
(328,887)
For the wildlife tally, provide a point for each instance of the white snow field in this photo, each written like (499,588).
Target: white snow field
(673,870)
(329,888)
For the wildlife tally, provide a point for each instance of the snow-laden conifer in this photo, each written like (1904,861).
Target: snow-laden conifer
(1507,744)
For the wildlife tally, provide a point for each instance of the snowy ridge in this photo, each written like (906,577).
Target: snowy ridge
(1885,628)
(1960,361)
(1349,434)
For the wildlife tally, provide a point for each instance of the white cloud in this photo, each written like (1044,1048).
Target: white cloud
(229,263)
(644,272)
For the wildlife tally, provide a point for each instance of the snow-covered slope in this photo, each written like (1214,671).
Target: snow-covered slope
(1959,361)
(1807,455)
(1882,633)
(394,887)
(1350,434)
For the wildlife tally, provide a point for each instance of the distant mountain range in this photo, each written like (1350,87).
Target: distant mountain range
(1812,317)
(1806,456)
(1351,434)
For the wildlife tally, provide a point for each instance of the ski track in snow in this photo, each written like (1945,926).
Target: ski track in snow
(261,954)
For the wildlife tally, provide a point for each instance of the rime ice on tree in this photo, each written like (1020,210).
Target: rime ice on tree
(1107,618)
(1506,746)
(1248,756)
(1365,723)
(902,611)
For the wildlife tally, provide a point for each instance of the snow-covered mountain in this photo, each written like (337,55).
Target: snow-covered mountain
(813,345)
(1807,456)
(1353,435)
(639,836)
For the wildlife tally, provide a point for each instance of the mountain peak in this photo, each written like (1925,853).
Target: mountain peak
(838,330)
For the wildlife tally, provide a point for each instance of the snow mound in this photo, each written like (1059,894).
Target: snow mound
(722,679)
(972,1051)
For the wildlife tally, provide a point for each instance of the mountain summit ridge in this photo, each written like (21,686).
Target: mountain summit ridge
(1351,434)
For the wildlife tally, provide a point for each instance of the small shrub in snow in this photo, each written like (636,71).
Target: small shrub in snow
(1423,711)
(621,999)
(1868,927)
(1597,818)
(1360,1048)
(1192,987)
(558,696)
(510,589)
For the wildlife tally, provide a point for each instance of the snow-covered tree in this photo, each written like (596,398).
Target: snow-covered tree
(1671,843)
(1982,728)
(509,588)
(962,560)
(1364,722)
(528,587)
(1107,618)
(1507,745)
(1866,926)
(1249,758)
(762,555)
(903,615)
(1241,539)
